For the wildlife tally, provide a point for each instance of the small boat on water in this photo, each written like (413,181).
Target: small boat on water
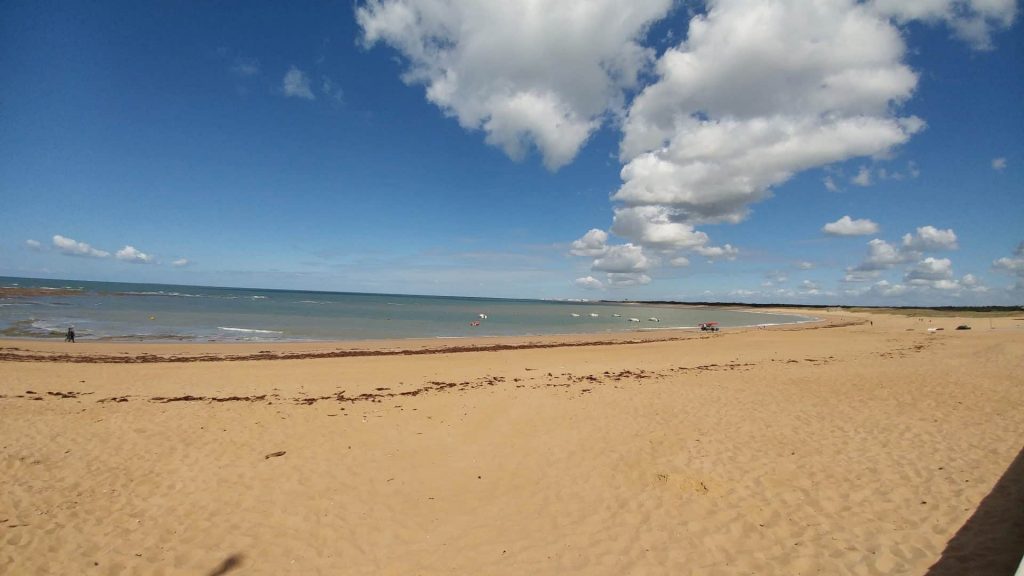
(617,315)
(653,319)
(592,315)
(483,316)
(634,319)
(575,315)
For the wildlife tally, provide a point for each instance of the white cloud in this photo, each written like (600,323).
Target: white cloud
(972,283)
(973,21)
(593,243)
(928,271)
(758,92)
(882,256)
(33,245)
(624,258)
(726,251)
(180,262)
(886,289)
(529,73)
(653,226)
(296,84)
(805,265)
(930,239)
(830,184)
(855,275)
(73,247)
(847,226)
(1013,265)
(131,254)
(999,163)
(679,262)
(628,279)
(863,177)
(589,283)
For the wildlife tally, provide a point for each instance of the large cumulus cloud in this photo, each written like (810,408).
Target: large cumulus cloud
(528,73)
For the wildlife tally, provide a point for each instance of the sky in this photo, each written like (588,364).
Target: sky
(826,152)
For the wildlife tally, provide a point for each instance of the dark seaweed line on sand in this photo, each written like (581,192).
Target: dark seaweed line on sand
(6,354)
(549,380)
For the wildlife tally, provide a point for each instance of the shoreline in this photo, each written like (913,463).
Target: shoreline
(99,351)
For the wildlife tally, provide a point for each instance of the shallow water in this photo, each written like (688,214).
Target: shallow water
(122,311)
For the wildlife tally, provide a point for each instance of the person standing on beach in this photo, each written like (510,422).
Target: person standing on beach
(70,336)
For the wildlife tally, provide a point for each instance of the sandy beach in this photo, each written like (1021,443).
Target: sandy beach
(860,444)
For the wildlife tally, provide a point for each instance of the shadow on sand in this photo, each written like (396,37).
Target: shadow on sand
(992,540)
(229,564)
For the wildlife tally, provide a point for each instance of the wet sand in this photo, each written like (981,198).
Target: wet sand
(862,444)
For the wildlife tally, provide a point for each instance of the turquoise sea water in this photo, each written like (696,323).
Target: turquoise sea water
(122,311)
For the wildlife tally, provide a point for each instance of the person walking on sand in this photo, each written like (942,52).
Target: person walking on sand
(70,336)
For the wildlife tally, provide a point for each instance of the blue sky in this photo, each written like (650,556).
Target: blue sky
(642,150)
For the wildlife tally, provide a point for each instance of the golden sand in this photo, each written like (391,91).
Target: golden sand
(863,444)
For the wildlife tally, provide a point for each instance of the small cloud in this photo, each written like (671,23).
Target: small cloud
(808,286)
(1013,265)
(830,184)
(726,251)
(131,254)
(589,283)
(847,226)
(331,90)
(180,262)
(999,164)
(972,283)
(930,238)
(863,177)
(72,247)
(628,279)
(912,169)
(805,265)
(625,258)
(881,256)
(296,84)
(34,245)
(246,67)
(679,262)
(593,243)
(928,271)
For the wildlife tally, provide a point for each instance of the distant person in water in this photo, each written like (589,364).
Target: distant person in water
(70,336)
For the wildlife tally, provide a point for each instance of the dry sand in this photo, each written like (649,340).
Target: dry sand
(860,445)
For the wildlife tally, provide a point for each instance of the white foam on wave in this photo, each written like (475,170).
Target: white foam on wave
(162,293)
(250,330)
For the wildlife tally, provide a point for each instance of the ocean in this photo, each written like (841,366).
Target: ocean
(157,312)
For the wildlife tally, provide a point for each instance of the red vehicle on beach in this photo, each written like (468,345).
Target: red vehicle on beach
(708,326)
